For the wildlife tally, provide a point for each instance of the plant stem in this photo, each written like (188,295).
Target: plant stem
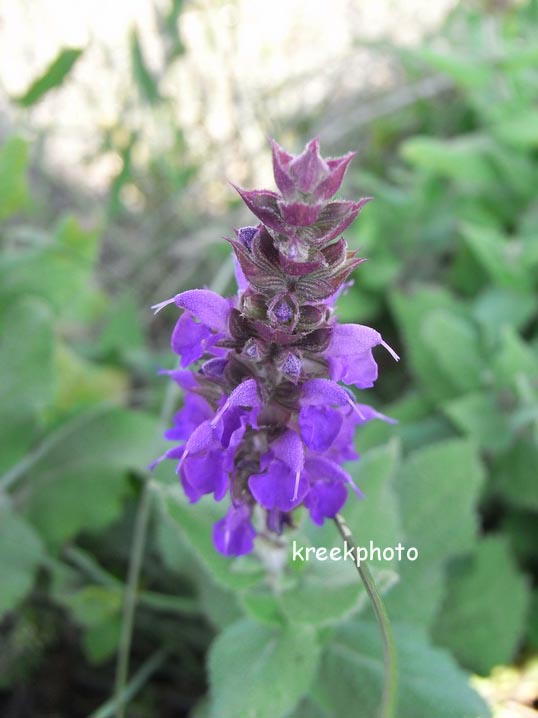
(139,540)
(389,651)
(129,605)
(145,672)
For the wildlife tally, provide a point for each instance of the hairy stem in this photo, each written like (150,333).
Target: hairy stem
(388,703)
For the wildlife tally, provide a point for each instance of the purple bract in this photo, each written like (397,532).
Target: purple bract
(265,421)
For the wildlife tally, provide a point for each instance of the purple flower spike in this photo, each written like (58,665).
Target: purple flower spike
(266,421)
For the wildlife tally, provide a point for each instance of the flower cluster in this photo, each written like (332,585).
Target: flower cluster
(265,420)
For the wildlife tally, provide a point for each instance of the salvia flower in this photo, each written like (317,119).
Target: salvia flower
(268,418)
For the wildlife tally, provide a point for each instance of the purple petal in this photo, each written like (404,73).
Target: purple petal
(195,410)
(242,281)
(201,439)
(319,392)
(276,488)
(190,340)
(291,367)
(204,475)
(234,534)
(246,394)
(183,378)
(288,448)
(350,354)
(208,307)
(325,499)
(246,235)
(320,425)
(321,468)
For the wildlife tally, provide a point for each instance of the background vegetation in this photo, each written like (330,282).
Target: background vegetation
(451,156)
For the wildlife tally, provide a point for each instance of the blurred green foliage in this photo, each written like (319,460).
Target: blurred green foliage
(451,280)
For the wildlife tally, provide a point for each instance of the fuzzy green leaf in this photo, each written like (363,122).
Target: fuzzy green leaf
(483,616)
(258,671)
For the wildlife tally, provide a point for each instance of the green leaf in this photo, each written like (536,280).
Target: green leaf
(512,360)
(498,310)
(439,487)
(27,375)
(81,482)
(258,671)
(454,345)
(468,72)
(514,475)
(520,130)
(122,332)
(220,605)
(14,194)
(410,311)
(498,256)
(53,76)
(430,684)
(463,159)
(196,524)
(82,383)
(533,627)
(483,615)
(57,271)
(146,82)
(26,358)
(101,641)
(418,594)
(374,474)
(479,416)
(20,553)
(93,605)
(263,605)
(330,592)
(309,709)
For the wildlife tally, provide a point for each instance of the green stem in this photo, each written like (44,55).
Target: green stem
(139,540)
(130,598)
(141,677)
(388,703)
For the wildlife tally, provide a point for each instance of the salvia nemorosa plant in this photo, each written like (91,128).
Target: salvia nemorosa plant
(268,418)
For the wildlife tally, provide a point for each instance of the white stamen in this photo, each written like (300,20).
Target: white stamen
(182,460)
(391,351)
(219,413)
(157,307)
(296,490)
(356,409)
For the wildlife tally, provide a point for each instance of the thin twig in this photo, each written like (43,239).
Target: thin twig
(139,679)
(139,541)
(130,598)
(388,703)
